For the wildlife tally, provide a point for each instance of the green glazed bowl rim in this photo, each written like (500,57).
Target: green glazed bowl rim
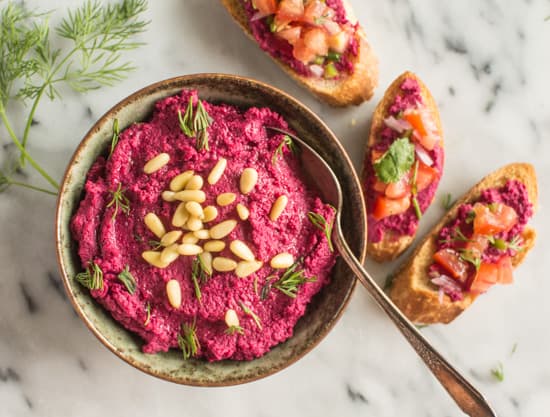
(200,372)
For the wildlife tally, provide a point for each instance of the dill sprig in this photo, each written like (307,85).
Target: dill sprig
(199,275)
(249,312)
(148,312)
(126,277)
(31,67)
(468,256)
(234,329)
(290,282)
(119,201)
(155,244)
(286,142)
(188,341)
(447,201)
(116,135)
(194,123)
(322,224)
(498,372)
(515,244)
(91,278)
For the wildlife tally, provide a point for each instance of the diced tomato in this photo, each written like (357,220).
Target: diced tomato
(505,270)
(450,260)
(302,52)
(266,7)
(415,120)
(379,186)
(399,189)
(316,40)
(493,219)
(487,276)
(425,176)
(477,245)
(291,9)
(384,207)
(291,34)
(313,12)
(339,42)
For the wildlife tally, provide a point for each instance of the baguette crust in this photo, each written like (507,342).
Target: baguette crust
(412,291)
(391,246)
(354,89)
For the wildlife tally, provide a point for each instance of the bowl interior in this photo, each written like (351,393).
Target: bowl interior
(326,306)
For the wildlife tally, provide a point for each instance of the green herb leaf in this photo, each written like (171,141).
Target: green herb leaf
(470,217)
(396,162)
(287,141)
(155,244)
(188,341)
(116,134)
(290,282)
(254,316)
(447,201)
(92,277)
(148,311)
(119,201)
(195,123)
(469,256)
(127,279)
(234,329)
(321,223)
(498,372)
(199,275)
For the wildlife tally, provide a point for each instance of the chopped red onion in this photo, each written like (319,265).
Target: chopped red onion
(423,155)
(449,286)
(440,295)
(317,70)
(259,15)
(399,125)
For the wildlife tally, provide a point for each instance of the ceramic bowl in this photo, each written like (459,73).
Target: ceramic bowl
(325,308)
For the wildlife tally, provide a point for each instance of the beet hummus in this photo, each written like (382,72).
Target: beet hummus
(315,38)
(396,202)
(475,250)
(247,292)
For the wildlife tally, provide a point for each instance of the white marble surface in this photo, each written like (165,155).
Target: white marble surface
(487,63)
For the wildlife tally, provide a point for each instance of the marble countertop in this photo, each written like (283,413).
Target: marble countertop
(487,64)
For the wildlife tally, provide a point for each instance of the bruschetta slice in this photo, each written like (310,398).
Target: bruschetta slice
(476,245)
(403,165)
(319,43)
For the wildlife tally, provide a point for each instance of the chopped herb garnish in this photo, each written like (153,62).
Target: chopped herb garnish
(256,286)
(197,274)
(195,123)
(254,316)
(267,287)
(321,223)
(289,283)
(234,329)
(116,134)
(287,141)
(514,348)
(188,341)
(470,217)
(389,281)
(120,201)
(515,244)
(330,70)
(396,162)
(155,244)
(148,311)
(447,201)
(127,279)
(92,277)
(420,326)
(334,56)
(498,372)
(469,256)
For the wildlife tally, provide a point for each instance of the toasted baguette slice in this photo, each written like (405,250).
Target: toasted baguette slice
(391,246)
(354,89)
(411,289)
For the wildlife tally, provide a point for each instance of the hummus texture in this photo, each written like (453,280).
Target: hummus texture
(115,243)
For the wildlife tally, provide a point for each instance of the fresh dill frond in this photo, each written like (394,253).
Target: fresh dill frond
(498,372)
(126,277)
(91,278)
(194,123)
(199,275)
(322,224)
(447,202)
(249,312)
(188,341)
(285,142)
(119,201)
(469,256)
(148,312)
(292,279)
(234,329)
(116,134)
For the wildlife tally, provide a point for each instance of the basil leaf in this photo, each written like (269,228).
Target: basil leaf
(396,162)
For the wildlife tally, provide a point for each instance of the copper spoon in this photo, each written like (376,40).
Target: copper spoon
(469,399)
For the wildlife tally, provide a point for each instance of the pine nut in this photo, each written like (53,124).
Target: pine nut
(249,178)
(282,261)
(194,209)
(225,199)
(210,213)
(202,234)
(168,196)
(222,229)
(170,237)
(169,254)
(278,207)
(206,260)
(242,212)
(173,292)
(180,216)
(191,195)
(179,182)
(155,225)
(195,183)
(231,318)
(239,248)
(222,264)
(189,249)
(194,224)
(214,246)
(153,258)
(189,238)
(156,163)
(217,171)
(246,268)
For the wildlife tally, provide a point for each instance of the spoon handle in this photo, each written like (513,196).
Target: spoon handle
(463,393)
